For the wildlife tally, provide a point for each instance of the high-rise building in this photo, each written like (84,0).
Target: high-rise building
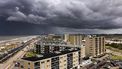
(94,46)
(74,39)
(56,45)
(67,59)
(54,37)
(55,54)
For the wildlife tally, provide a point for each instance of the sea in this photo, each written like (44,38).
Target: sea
(2,38)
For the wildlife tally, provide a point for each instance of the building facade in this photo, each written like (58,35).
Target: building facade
(62,60)
(55,54)
(74,39)
(94,46)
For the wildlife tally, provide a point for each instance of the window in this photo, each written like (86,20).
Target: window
(42,62)
(29,63)
(22,66)
(61,57)
(37,63)
(64,60)
(48,60)
(64,64)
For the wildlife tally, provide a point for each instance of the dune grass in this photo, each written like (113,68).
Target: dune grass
(115,57)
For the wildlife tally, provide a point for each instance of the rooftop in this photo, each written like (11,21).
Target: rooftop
(49,55)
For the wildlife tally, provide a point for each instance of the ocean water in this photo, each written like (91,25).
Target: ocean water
(9,37)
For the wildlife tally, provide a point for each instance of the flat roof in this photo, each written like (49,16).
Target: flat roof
(50,55)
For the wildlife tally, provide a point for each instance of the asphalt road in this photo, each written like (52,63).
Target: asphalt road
(9,63)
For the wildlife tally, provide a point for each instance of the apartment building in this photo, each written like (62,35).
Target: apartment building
(74,39)
(48,47)
(94,46)
(54,37)
(68,59)
(54,54)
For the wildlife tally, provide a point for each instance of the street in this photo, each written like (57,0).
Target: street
(9,63)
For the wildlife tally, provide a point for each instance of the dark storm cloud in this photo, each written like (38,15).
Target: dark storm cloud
(22,28)
(72,14)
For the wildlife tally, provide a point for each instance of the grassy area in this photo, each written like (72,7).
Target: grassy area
(114,57)
(113,49)
(30,54)
(115,45)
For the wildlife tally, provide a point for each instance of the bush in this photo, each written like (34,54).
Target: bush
(114,45)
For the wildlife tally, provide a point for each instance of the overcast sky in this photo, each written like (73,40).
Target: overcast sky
(60,16)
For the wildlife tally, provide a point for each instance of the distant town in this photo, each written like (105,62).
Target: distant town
(61,51)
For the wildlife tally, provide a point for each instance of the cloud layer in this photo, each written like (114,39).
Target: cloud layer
(68,14)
